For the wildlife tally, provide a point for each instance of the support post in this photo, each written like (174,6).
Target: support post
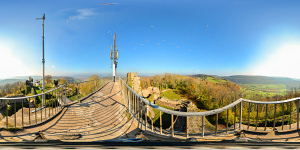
(274,117)
(297,114)
(249,115)
(203,126)
(187,127)
(266,117)
(240,123)
(216,127)
(172,125)
(282,116)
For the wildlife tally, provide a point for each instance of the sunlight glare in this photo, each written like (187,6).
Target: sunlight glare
(9,64)
(283,62)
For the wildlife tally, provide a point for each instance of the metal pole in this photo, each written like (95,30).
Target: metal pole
(274,117)
(15,114)
(282,116)
(187,127)
(298,114)
(160,122)
(227,122)
(146,116)
(7,114)
(256,116)
(29,112)
(23,114)
(216,128)
(266,117)
(249,115)
(35,110)
(172,125)
(43,61)
(290,115)
(240,123)
(203,126)
(234,117)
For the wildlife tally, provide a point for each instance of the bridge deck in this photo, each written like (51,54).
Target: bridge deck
(99,117)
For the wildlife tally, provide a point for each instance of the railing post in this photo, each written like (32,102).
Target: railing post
(240,123)
(172,125)
(41,113)
(7,114)
(45,107)
(29,112)
(203,126)
(274,117)
(266,117)
(146,116)
(78,93)
(297,114)
(15,114)
(160,122)
(23,114)
(227,122)
(35,110)
(52,102)
(234,117)
(249,115)
(216,127)
(282,116)
(187,127)
(256,116)
(290,114)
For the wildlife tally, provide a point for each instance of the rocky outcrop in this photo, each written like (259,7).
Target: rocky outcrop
(156,93)
(147,92)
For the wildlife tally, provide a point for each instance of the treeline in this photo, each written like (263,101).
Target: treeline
(12,88)
(206,94)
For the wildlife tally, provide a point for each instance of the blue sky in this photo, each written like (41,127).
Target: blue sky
(154,37)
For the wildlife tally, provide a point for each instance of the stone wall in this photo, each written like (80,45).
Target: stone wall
(134,82)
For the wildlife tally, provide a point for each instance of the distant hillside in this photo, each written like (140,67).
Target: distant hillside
(5,81)
(244,79)
(211,78)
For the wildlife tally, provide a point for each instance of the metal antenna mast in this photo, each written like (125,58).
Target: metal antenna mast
(114,56)
(43,61)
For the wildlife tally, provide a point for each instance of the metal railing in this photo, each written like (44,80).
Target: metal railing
(138,108)
(36,112)
(31,110)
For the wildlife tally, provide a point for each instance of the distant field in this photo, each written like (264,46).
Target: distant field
(172,94)
(271,89)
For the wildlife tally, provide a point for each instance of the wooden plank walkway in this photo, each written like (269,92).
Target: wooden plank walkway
(99,117)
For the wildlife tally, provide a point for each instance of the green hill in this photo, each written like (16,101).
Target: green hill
(244,79)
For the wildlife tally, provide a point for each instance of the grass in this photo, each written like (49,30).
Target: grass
(172,94)
(215,80)
(266,90)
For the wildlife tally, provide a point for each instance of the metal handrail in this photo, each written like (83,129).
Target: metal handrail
(138,106)
(26,97)
(180,113)
(209,112)
(271,102)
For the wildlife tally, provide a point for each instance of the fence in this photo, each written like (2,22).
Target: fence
(138,108)
(28,111)
(36,112)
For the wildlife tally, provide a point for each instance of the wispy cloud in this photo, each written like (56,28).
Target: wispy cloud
(53,66)
(83,14)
